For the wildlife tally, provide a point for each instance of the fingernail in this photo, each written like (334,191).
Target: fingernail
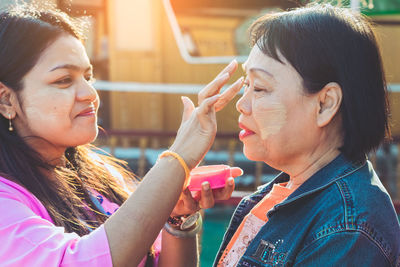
(206,186)
(231,181)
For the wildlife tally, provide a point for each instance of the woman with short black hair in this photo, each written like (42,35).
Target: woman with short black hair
(314,105)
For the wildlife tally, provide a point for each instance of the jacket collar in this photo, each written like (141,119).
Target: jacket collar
(336,169)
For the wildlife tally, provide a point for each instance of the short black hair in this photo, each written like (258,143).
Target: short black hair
(332,44)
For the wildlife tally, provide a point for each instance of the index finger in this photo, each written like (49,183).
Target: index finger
(215,85)
(229,94)
(230,69)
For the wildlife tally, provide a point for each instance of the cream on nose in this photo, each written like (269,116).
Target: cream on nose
(239,105)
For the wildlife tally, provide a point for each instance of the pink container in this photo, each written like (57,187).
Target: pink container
(216,175)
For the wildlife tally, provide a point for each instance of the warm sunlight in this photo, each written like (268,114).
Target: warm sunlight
(134,27)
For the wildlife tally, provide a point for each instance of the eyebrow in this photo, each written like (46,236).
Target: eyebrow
(71,67)
(257,69)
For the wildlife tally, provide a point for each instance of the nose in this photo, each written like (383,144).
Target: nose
(244,104)
(86,92)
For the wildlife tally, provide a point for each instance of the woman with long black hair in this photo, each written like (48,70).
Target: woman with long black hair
(61,203)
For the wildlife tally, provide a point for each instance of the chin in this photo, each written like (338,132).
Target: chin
(86,137)
(253,155)
(92,137)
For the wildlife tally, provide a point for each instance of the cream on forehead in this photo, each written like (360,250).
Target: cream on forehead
(270,119)
(262,66)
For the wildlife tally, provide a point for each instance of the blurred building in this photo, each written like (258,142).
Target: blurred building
(136,41)
(133,41)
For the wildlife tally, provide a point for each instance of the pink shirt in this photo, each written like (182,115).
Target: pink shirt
(28,236)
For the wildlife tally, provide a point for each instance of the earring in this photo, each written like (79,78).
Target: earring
(10,128)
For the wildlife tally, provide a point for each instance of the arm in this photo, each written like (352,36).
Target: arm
(135,225)
(343,249)
(138,221)
(179,252)
(29,240)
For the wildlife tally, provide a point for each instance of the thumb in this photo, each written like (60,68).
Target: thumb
(188,108)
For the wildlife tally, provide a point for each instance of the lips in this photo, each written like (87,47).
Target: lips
(244,132)
(88,112)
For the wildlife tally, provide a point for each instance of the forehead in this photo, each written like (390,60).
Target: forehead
(258,60)
(282,73)
(64,50)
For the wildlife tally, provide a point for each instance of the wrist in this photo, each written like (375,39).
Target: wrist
(187,157)
(184,222)
(192,231)
(175,156)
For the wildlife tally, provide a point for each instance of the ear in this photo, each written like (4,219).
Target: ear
(7,101)
(330,98)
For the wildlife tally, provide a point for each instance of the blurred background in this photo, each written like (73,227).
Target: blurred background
(147,53)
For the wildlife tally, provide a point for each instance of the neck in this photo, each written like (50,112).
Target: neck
(312,165)
(51,154)
(309,163)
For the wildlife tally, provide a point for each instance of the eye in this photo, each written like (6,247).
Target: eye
(246,84)
(90,79)
(261,88)
(257,89)
(64,81)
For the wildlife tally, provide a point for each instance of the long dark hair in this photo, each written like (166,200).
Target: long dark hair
(331,44)
(25,32)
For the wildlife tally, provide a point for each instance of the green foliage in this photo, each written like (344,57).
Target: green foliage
(368,7)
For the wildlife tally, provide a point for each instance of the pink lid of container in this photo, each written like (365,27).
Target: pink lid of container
(216,175)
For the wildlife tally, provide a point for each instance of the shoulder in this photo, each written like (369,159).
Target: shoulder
(13,192)
(364,197)
(357,206)
(357,197)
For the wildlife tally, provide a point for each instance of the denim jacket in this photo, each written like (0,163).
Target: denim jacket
(340,216)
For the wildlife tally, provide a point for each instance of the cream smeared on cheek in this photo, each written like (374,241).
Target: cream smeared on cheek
(270,118)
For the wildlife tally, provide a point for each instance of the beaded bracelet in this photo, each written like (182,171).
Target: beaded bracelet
(181,161)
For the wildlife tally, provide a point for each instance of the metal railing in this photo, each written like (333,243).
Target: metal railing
(141,148)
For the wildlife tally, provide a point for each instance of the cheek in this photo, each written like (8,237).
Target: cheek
(270,118)
(46,109)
